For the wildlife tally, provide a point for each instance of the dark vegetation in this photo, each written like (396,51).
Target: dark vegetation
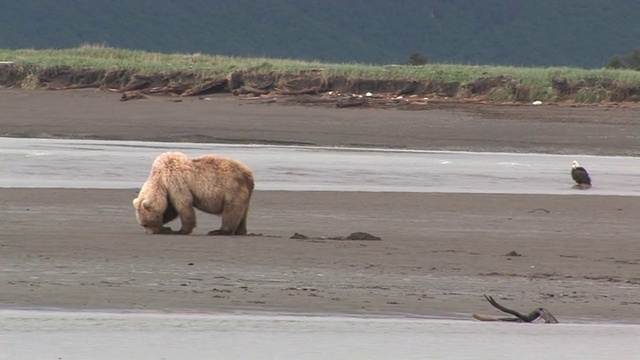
(631,61)
(582,33)
(416,58)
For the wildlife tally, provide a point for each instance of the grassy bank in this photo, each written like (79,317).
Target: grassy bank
(537,80)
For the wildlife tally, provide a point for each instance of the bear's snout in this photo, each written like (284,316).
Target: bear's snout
(149,230)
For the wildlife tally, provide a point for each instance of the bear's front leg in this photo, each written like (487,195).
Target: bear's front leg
(188,220)
(185,229)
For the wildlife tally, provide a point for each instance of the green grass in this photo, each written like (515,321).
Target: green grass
(105,58)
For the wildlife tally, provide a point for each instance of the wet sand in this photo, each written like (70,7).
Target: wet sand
(595,130)
(82,249)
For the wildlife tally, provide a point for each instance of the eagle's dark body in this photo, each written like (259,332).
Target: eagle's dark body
(580,174)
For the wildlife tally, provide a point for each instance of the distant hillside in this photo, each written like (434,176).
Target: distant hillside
(584,33)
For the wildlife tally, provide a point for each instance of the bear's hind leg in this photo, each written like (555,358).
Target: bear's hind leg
(242,227)
(228,227)
(233,220)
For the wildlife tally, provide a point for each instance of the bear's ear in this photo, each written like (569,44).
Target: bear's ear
(135,202)
(146,204)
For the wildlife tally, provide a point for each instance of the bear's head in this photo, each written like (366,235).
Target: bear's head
(148,216)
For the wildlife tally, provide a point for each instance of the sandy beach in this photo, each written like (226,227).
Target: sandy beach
(577,256)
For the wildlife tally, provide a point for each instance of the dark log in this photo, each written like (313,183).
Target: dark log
(313,90)
(133,95)
(409,89)
(350,102)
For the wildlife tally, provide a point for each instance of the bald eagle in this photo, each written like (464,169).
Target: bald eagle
(580,175)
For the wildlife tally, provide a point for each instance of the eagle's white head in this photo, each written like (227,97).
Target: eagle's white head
(575,164)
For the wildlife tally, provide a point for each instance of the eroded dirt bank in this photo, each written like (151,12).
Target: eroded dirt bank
(334,90)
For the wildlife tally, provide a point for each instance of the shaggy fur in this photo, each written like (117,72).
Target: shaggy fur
(178,184)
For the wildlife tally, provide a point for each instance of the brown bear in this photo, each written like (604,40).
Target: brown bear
(178,184)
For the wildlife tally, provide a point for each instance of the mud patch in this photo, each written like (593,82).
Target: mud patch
(355,236)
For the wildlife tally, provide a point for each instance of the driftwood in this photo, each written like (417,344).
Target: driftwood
(169,89)
(141,94)
(139,83)
(244,90)
(73,87)
(528,318)
(207,88)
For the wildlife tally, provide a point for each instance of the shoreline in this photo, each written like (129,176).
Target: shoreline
(155,143)
(266,314)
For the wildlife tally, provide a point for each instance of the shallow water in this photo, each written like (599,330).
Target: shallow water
(94,335)
(126,164)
